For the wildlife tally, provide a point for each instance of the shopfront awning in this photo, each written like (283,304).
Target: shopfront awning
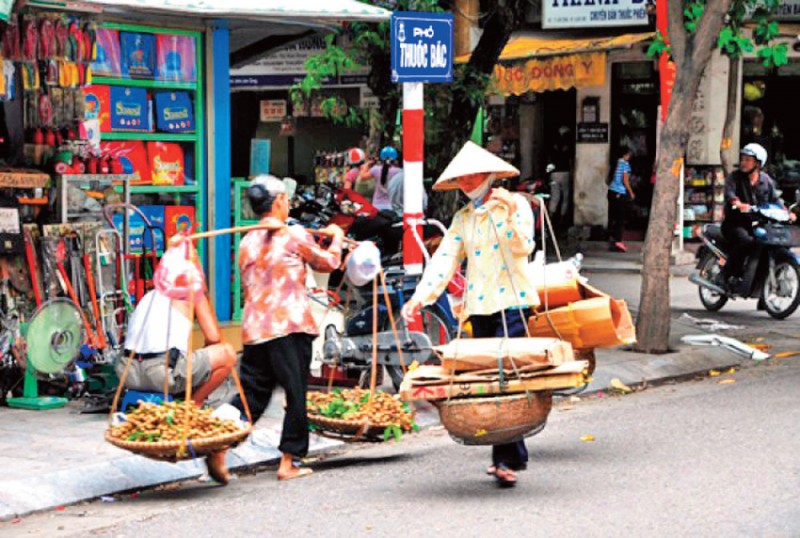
(315,11)
(542,62)
(522,46)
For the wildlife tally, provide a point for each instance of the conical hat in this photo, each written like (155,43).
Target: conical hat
(473,159)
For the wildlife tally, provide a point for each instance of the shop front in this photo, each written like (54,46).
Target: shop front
(566,105)
(113,101)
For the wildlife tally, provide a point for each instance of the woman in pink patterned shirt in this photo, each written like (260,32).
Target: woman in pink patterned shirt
(277,327)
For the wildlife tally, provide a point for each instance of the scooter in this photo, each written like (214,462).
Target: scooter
(771,271)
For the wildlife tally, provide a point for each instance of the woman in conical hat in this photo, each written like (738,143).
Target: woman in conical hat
(494,234)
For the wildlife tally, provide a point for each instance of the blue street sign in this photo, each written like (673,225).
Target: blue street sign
(422,47)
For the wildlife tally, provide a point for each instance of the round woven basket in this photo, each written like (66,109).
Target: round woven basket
(355,430)
(495,420)
(181,450)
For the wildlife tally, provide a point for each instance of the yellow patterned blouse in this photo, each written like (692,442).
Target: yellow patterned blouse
(496,246)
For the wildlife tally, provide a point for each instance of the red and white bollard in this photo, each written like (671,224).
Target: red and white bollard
(413,165)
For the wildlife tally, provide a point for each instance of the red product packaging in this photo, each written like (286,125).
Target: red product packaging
(178,219)
(97,105)
(132,156)
(166,163)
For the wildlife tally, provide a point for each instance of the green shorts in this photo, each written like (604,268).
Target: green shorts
(147,375)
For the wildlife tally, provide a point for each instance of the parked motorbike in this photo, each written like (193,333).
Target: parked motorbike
(351,350)
(771,271)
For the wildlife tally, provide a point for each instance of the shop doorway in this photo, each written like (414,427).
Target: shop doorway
(634,116)
(769,119)
(559,119)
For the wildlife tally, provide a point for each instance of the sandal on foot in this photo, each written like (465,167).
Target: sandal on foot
(299,474)
(506,477)
(491,470)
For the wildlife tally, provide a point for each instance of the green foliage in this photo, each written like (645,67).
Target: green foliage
(732,41)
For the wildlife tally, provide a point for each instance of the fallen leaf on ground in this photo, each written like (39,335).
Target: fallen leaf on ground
(731,371)
(620,386)
(587,438)
(566,408)
(713,373)
(786,354)
(726,382)
(760,347)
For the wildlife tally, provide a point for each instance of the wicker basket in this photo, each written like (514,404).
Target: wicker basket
(347,430)
(495,420)
(173,451)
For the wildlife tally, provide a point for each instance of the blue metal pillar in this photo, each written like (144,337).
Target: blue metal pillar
(220,148)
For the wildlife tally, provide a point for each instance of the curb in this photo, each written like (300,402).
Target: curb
(132,473)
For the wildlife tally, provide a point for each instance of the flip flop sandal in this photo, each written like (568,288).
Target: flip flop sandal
(491,470)
(299,474)
(504,476)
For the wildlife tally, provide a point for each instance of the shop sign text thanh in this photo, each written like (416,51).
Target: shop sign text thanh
(422,47)
(593,13)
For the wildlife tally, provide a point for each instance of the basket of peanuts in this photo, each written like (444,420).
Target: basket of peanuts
(357,415)
(173,431)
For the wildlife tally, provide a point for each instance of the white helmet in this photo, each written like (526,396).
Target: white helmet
(757,151)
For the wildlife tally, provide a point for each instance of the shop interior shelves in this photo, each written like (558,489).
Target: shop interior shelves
(141,83)
(151,137)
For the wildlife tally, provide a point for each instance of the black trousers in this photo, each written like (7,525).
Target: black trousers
(741,242)
(513,455)
(286,362)
(617,207)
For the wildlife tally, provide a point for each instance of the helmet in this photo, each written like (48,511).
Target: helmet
(757,151)
(356,157)
(388,154)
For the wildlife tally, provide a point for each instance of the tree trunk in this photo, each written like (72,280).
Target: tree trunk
(691,54)
(725,150)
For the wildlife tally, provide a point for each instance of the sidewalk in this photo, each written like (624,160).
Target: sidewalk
(55,458)
(598,259)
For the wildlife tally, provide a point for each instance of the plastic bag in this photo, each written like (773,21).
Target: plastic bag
(364,264)
(178,275)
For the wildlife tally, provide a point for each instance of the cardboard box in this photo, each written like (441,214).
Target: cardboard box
(568,375)
(176,58)
(179,219)
(138,53)
(130,110)
(174,112)
(133,157)
(139,240)
(97,105)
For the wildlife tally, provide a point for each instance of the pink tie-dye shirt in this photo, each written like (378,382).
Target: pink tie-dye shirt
(273,270)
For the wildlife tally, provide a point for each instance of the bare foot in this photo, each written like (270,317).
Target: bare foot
(217,469)
(295,472)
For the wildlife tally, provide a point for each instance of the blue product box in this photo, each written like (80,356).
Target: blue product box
(129,109)
(174,112)
(138,238)
(138,53)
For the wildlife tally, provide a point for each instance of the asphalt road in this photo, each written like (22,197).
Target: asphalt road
(712,457)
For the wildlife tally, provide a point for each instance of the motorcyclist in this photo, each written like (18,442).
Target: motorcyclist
(745,189)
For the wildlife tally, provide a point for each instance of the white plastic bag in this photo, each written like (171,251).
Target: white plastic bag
(364,264)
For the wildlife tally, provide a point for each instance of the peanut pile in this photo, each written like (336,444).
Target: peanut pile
(171,421)
(355,405)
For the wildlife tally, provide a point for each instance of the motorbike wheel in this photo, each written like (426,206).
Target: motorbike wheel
(710,270)
(433,325)
(782,299)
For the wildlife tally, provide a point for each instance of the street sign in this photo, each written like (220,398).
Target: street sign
(422,47)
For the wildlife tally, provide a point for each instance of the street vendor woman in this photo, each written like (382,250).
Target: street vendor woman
(277,326)
(494,233)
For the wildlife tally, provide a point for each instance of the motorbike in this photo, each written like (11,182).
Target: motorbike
(771,271)
(350,350)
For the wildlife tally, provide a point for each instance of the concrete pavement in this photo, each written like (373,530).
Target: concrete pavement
(55,458)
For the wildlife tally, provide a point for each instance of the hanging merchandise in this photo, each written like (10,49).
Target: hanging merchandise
(138,55)
(174,112)
(30,39)
(166,163)
(176,58)
(11,41)
(107,63)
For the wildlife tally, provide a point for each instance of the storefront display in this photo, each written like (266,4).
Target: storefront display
(703,199)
